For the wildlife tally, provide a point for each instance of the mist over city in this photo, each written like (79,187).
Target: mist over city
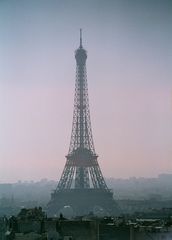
(133,188)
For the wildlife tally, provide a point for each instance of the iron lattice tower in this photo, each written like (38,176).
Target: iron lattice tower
(81,169)
(81,185)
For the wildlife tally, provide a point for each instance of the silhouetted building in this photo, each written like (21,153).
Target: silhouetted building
(83,228)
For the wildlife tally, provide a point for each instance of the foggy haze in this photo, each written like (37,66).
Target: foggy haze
(129,84)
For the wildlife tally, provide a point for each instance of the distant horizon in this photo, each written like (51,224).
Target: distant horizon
(106,178)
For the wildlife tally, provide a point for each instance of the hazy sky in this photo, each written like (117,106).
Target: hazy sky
(129,78)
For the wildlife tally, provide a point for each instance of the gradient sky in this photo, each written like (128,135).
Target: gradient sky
(129,78)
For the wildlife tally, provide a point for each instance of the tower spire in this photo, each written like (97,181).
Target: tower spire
(80,38)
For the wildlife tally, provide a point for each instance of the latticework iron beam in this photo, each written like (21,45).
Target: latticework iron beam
(81,170)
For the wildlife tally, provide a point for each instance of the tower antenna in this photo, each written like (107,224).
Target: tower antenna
(80,37)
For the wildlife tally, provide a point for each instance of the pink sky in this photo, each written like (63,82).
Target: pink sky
(131,135)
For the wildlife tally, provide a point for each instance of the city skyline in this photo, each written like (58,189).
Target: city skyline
(129,81)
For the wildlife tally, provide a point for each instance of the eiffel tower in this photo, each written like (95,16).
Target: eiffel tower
(82,186)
